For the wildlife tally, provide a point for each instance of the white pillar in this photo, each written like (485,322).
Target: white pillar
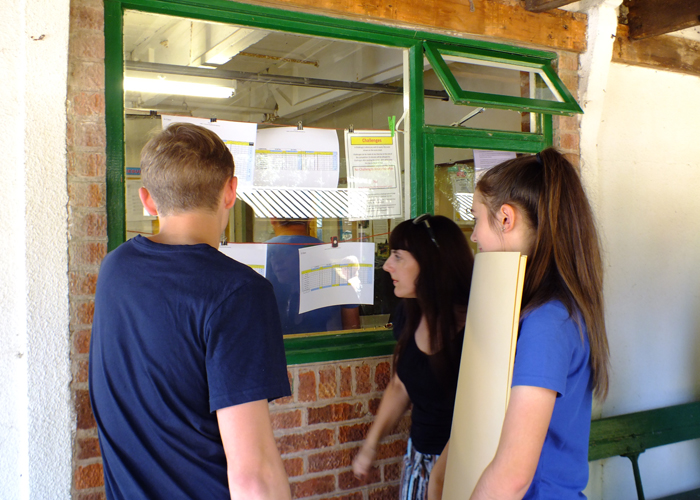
(36,420)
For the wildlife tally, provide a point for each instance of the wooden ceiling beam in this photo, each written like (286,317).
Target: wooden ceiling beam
(543,5)
(665,52)
(647,18)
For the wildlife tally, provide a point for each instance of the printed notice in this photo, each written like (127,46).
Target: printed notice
(239,137)
(374,175)
(253,255)
(336,276)
(287,157)
(485,159)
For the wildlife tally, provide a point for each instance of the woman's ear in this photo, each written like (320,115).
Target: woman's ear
(506,217)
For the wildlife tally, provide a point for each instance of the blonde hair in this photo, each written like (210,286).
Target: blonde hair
(184,168)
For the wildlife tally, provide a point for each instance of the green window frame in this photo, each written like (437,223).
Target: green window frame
(422,138)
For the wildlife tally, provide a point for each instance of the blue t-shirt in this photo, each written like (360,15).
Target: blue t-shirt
(178,333)
(551,354)
(283,273)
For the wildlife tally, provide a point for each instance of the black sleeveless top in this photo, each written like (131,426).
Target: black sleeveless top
(433,401)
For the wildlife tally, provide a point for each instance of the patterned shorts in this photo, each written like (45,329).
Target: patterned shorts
(415,474)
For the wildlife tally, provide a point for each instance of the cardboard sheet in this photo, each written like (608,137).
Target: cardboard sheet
(486,369)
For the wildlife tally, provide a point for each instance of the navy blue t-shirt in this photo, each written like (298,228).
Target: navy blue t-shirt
(178,333)
(552,354)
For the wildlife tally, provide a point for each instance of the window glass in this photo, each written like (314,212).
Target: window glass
(278,82)
(476,78)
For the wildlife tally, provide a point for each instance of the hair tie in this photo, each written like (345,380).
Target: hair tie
(538,158)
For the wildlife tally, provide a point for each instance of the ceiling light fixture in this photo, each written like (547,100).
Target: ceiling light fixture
(194,86)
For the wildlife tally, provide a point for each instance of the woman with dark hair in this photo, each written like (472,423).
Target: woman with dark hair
(536,205)
(431,268)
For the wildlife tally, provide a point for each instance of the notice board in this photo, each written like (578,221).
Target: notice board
(486,369)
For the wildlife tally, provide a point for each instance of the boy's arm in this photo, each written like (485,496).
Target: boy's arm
(255,469)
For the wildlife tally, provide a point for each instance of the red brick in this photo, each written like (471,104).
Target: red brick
(373,405)
(327,383)
(337,412)
(404,425)
(392,472)
(570,79)
(382,374)
(315,486)
(87,194)
(307,386)
(83,17)
(89,476)
(568,61)
(348,481)
(90,135)
(81,375)
(286,420)
(87,253)
(82,283)
(391,449)
(86,104)
(99,495)
(88,448)
(362,383)
(85,418)
(385,493)
(350,433)
(87,164)
(350,496)
(84,312)
(294,466)
(81,341)
(569,142)
(86,75)
(87,45)
(329,460)
(345,381)
(308,441)
(569,124)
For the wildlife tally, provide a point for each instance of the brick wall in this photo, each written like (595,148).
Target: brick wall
(87,222)
(320,428)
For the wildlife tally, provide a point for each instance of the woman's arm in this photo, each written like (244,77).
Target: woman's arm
(510,473)
(394,403)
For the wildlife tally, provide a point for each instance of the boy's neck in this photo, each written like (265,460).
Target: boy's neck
(189,228)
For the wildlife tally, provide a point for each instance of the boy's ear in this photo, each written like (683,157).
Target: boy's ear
(230,192)
(147,201)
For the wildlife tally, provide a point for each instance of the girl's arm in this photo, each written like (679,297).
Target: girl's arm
(437,475)
(510,473)
(394,403)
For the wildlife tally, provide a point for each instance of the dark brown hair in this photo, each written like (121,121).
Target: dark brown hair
(443,283)
(565,262)
(184,168)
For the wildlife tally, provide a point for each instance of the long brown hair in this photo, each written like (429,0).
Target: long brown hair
(443,283)
(565,262)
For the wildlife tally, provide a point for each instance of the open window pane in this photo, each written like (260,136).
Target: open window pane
(545,91)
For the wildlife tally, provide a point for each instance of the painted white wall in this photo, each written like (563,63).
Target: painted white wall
(648,173)
(35,407)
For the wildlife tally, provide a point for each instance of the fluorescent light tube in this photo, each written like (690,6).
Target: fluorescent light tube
(154,83)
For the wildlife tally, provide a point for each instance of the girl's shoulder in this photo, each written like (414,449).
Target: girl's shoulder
(551,317)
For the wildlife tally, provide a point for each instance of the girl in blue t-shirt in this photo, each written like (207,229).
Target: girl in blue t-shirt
(536,205)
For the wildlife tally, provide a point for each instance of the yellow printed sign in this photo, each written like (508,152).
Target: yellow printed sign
(357,141)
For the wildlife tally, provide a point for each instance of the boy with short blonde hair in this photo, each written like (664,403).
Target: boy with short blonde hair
(186,348)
